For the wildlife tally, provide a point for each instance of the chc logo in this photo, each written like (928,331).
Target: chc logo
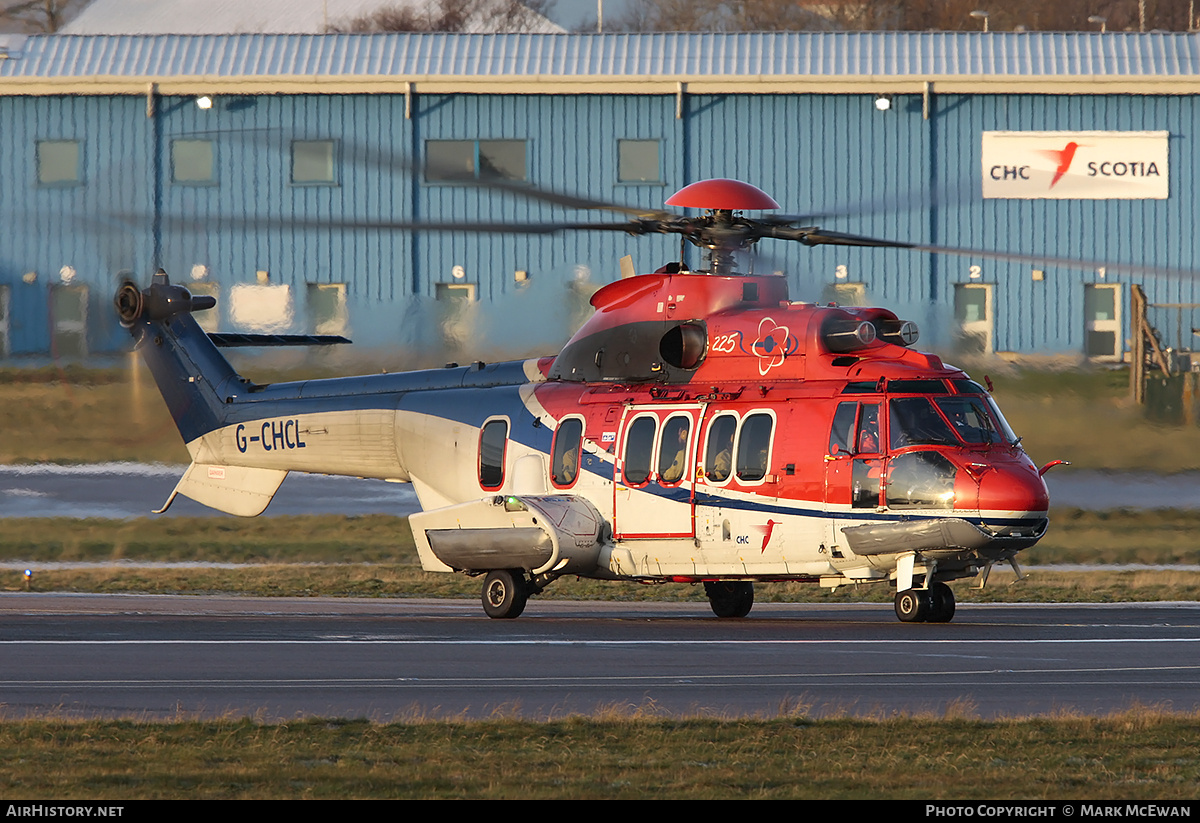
(1079,165)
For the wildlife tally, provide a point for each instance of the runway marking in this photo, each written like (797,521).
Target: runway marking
(591,643)
(576,680)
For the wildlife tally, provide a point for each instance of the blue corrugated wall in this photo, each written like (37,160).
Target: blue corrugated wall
(852,168)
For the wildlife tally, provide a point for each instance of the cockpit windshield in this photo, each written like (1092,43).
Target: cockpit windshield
(914,422)
(974,420)
(970,419)
(943,419)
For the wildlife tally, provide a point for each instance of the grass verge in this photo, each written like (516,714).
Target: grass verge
(374,556)
(628,754)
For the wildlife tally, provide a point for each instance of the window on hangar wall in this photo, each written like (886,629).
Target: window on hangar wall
(455,292)
(638,161)
(1102,321)
(312,162)
(845,294)
(974,314)
(452,161)
(327,312)
(58,163)
(192,162)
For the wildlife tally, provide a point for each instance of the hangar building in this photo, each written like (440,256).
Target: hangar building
(278,172)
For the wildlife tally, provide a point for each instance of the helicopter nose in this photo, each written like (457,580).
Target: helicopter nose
(1013,489)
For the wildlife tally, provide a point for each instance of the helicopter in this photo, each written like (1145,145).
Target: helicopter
(700,427)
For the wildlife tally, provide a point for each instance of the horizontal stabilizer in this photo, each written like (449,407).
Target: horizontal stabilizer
(231,339)
(231,489)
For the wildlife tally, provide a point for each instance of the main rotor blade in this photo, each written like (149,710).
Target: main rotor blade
(1052,260)
(179,222)
(816,237)
(570,201)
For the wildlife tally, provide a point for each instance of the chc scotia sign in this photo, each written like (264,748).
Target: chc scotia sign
(1075,165)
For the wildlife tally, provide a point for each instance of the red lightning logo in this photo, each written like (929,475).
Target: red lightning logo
(767,530)
(1062,158)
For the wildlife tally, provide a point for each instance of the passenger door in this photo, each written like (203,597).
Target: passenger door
(653,492)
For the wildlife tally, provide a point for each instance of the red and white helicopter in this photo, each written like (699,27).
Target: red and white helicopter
(700,427)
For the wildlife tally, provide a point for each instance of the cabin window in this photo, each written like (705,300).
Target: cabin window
(459,161)
(639,447)
(312,162)
(567,441)
(754,448)
(58,163)
(718,460)
(638,161)
(192,162)
(673,449)
(493,440)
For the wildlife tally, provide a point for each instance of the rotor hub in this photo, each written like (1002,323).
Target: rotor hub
(722,194)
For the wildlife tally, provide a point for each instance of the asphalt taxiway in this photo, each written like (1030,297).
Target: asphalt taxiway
(161,657)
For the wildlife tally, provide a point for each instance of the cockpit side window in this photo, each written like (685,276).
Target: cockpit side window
(868,430)
(754,448)
(843,428)
(855,429)
(566,451)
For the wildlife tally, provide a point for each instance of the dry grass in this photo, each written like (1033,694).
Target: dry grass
(625,753)
(85,416)
(374,556)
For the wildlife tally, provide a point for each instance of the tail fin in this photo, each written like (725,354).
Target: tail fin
(198,385)
(193,376)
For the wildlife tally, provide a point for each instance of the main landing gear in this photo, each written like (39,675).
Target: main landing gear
(932,605)
(730,598)
(505,593)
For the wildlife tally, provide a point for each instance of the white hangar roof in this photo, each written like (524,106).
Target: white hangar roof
(791,62)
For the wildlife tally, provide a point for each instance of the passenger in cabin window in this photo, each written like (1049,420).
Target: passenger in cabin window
(566,452)
(674,472)
(568,465)
(720,442)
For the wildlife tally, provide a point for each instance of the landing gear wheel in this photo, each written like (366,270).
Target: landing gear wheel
(943,603)
(730,598)
(505,594)
(913,605)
